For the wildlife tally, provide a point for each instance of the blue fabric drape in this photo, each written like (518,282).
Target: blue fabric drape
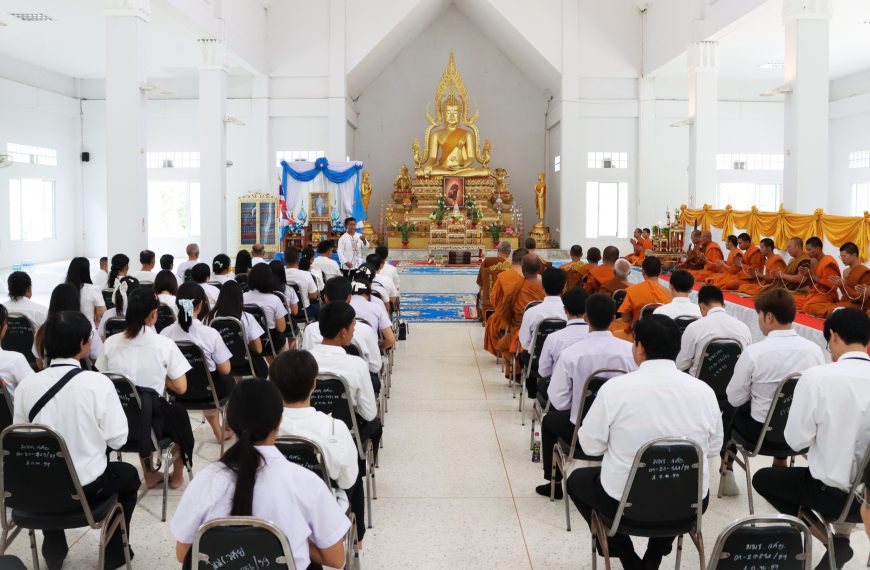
(321,166)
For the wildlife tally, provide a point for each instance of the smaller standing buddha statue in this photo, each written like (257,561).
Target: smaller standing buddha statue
(541,202)
(365,190)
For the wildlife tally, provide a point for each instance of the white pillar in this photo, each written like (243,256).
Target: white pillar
(267,173)
(212,148)
(337,149)
(126,179)
(572,217)
(805,180)
(704,114)
(646,199)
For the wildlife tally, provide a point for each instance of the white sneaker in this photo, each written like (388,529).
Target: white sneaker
(728,485)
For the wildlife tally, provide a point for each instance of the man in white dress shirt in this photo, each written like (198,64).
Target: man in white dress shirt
(147,259)
(716,323)
(653,402)
(87,413)
(830,415)
(681,284)
(13,365)
(553,281)
(20,289)
(192,251)
(351,247)
(600,349)
(302,279)
(389,270)
(372,311)
(575,330)
(101,277)
(383,282)
(760,369)
(258,254)
(324,262)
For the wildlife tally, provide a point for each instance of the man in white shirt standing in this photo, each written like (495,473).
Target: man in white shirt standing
(351,247)
(553,281)
(192,251)
(575,330)
(87,413)
(681,284)
(760,369)
(653,402)
(147,259)
(324,262)
(20,291)
(716,323)
(600,349)
(830,415)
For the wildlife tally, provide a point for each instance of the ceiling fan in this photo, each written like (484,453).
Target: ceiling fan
(5,160)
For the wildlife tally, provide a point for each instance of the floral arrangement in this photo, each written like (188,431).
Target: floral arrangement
(405,228)
(294,227)
(437,214)
(509,231)
(471,210)
(495,230)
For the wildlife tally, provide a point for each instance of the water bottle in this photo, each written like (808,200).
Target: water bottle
(536,448)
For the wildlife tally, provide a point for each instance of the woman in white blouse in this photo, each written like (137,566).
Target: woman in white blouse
(119,298)
(229,304)
(254,479)
(191,302)
(91,301)
(220,268)
(154,364)
(166,286)
(262,286)
(118,268)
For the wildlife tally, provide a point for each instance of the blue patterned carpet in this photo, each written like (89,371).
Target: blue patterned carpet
(416,270)
(437,307)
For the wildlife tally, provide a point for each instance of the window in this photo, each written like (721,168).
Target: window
(300,155)
(860,198)
(750,161)
(172,159)
(173,208)
(607,160)
(744,195)
(859,159)
(606,209)
(32,154)
(557,163)
(31,209)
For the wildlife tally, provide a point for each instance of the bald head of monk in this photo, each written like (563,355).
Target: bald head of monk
(696,237)
(610,255)
(766,246)
(518,255)
(531,266)
(706,237)
(795,247)
(815,248)
(622,268)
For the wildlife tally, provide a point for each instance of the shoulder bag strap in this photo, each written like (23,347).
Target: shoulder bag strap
(52,392)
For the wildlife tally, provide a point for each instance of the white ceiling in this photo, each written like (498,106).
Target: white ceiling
(759,37)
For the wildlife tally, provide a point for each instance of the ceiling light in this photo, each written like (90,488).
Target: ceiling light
(772,65)
(31,16)
(781,90)
(234,121)
(687,122)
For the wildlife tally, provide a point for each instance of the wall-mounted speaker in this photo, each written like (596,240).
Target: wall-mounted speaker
(86,157)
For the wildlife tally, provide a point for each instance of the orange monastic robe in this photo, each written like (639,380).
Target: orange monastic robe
(598,277)
(613,286)
(531,290)
(636,298)
(713,254)
(773,263)
(730,268)
(752,259)
(502,296)
(575,271)
(859,275)
(823,292)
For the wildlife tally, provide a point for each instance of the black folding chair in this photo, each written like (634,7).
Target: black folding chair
(109,297)
(240,543)
(663,496)
(772,441)
(233,335)
(165,317)
(773,541)
(114,326)
(201,394)
(718,360)
(293,329)
(6,407)
(257,312)
(565,453)
(618,298)
(530,373)
(649,309)
(38,482)
(683,322)
(516,374)
(20,333)
(303,303)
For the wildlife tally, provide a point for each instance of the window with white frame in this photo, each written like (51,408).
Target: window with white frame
(172,159)
(750,161)
(859,159)
(557,163)
(607,160)
(606,209)
(173,208)
(31,209)
(298,155)
(744,195)
(28,154)
(860,198)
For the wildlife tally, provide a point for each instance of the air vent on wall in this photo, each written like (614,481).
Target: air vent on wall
(740,165)
(608,163)
(32,16)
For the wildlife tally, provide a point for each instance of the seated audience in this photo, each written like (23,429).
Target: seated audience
(576,329)
(599,350)
(282,288)
(619,423)
(101,277)
(20,289)
(644,293)
(119,299)
(220,268)
(154,364)
(167,263)
(681,284)
(324,262)
(192,251)
(502,254)
(531,290)
(621,271)
(230,304)
(91,301)
(262,293)
(13,365)
(715,323)
(302,279)
(830,415)
(306,258)
(551,307)
(389,270)
(258,254)
(603,273)
(254,479)
(147,259)
(372,311)
(243,265)
(382,282)
(89,417)
(200,274)
(501,297)
(64,297)
(118,267)
(166,286)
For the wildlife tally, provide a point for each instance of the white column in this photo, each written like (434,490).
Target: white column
(264,161)
(572,217)
(337,149)
(212,148)
(805,180)
(126,179)
(704,114)
(645,200)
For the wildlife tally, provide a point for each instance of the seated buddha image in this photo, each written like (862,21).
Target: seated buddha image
(451,148)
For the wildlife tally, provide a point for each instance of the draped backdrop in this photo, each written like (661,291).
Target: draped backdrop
(782,225)
(340,179)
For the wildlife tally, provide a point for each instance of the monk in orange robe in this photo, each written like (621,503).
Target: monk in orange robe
(621,270)
(646,240)
(531,245)
(792,278)
(727,268)
(750,264)
(710,254)
(694,260)
(576,271)
(602,274)
(502,296)
(821,273)
(855,283)
(637,244)
(772,263)
(640,295)
(531,290)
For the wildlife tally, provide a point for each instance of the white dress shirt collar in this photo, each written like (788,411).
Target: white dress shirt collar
(715,310)
(782,333)
(66,362)
(855,355)
(684,300)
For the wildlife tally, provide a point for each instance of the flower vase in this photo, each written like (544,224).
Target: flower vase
(405,243)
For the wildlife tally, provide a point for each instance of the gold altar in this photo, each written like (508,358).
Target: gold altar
(454,201)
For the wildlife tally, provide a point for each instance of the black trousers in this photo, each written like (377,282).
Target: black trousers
(554,425)
(728,412)
(744,424)
(119,478)
(356,497)
(277,339)
(313,310)
(790,488)
(584,487)
(376,383)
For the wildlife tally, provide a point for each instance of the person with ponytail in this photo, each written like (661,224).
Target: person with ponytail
(123,287)
(200,274)
(280,285)
(154,364)
(230,303)
(192,306)
(254,479)
(91,300)
(262,293)
(64,297)
(119,267)
(166,286)
(220,268)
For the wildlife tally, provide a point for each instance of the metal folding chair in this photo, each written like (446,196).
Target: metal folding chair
(235,543)
(780,541)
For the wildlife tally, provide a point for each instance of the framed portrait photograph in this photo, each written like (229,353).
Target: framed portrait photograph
(319,205)
(454,191)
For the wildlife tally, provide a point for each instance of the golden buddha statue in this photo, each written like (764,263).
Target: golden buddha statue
(365,190)
(402,183)
(541,201)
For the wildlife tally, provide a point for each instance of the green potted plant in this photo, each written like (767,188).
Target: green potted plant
(437,214)
(405,228)
(495,231)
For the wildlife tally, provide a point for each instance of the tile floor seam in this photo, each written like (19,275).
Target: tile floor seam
(479,371)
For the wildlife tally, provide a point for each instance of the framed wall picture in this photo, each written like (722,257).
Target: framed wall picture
(319,205)
(454,191)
